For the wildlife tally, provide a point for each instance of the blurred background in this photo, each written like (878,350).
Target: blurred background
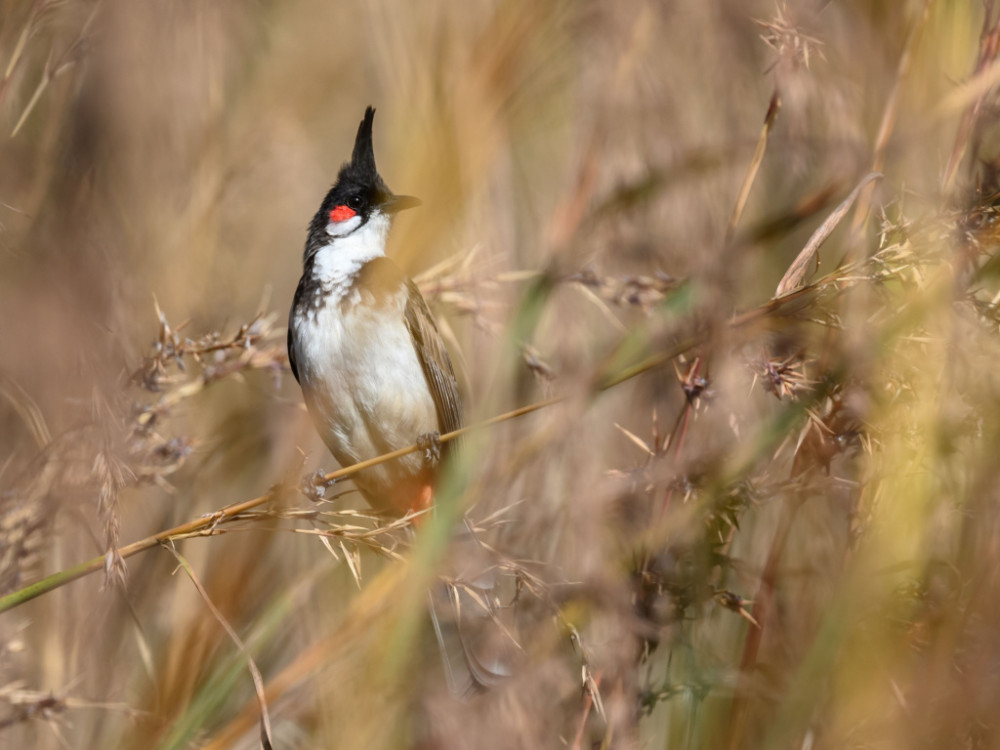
(779,531)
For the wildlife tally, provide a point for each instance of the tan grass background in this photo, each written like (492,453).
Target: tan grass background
(784,535)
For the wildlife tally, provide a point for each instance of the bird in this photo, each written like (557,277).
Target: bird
(375,373)
(376,377)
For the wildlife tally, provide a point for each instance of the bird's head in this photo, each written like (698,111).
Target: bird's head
(359,198)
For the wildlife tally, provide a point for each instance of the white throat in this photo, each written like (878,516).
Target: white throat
(337,262)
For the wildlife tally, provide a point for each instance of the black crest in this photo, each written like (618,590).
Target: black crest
(360,172)
(363,157)
(358,185)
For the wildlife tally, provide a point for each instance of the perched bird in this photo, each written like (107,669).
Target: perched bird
(374,372)
(377,377)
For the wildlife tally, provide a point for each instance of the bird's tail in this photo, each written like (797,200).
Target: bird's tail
(472,615)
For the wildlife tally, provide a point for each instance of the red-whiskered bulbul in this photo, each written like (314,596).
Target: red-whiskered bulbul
(374,371)
(376,377)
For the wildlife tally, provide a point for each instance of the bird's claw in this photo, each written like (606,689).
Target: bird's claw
(314,485)
(430,444)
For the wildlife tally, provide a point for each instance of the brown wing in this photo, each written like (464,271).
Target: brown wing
(434,360)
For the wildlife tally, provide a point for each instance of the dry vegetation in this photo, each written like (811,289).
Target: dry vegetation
(738,521)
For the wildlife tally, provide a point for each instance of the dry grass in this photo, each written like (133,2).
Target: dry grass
(739,522)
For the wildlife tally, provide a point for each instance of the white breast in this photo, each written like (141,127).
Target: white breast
(362,380)
(338,263)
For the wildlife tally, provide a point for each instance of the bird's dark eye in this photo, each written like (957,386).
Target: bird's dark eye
(355,202)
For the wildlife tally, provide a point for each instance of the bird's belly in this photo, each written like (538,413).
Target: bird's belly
(366,390)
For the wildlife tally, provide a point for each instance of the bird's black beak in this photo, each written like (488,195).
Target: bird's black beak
(396,203)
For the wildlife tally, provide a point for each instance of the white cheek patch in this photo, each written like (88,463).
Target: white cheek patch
(337,262)
(343,228)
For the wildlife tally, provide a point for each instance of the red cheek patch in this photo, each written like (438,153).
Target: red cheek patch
(342,213)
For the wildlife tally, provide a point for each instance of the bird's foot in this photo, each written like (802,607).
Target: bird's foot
(314,485)
(430,444)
